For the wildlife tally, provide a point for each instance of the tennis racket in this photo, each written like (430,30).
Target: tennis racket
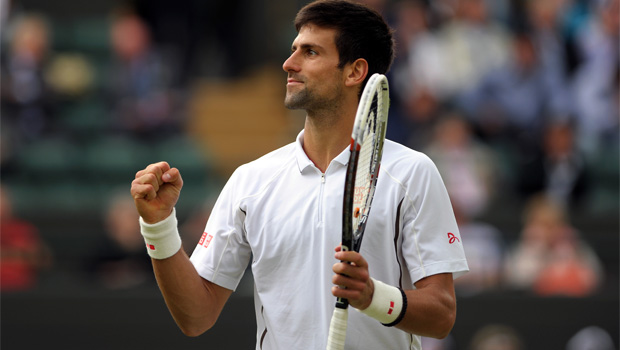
(359,188)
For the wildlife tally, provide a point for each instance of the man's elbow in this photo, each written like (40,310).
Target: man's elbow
(192,332)
(442,325)
(194,329)
(445,325)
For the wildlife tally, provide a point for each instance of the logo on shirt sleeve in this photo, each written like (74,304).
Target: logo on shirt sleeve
(205,240)
(452,238)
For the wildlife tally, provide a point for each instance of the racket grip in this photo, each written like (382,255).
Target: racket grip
(338,329)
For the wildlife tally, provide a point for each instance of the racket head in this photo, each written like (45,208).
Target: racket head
(366,148)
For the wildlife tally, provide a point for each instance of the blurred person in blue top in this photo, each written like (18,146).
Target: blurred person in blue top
(511,103)
(27,99)
(596,82)
(141,89)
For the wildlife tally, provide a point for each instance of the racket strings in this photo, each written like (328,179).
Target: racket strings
(366,170)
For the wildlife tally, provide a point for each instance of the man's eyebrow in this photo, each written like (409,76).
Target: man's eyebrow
(306,46)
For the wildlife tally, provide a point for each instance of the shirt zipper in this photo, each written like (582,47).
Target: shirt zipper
(321,189)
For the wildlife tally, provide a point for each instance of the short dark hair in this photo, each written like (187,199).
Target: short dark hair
(361,32)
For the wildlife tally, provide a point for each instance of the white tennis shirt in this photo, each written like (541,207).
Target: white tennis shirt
(283,216)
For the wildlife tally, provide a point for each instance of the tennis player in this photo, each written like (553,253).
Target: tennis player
(282,214)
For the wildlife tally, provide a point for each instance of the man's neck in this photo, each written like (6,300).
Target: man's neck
(326,137)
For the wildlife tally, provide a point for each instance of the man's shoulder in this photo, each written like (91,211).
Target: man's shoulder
(276,157)
(404,165)
(268,165)
(396,154)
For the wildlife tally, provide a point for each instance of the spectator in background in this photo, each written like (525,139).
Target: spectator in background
(454,46)
(596,81)
(544,25)
(511,102)
(460,52)
(549,257)
(23,254)
(468,167)
(414,108)
(120,261)
(559,168)
(27,101)
(543,18)
(144,100)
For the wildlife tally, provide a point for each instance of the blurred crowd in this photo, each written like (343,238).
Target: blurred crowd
(57,103)
(516,101)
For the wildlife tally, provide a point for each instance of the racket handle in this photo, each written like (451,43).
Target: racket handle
(338,329)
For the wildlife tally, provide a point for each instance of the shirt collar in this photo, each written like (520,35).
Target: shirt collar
(302,158)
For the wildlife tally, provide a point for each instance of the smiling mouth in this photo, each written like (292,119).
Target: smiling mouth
(294,80)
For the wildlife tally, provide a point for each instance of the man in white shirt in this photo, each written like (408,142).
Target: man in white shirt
(284,212)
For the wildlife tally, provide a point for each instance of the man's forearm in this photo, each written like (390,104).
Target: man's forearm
(195,304)
(431,308)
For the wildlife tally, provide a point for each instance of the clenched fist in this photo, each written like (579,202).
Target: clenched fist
(156,190)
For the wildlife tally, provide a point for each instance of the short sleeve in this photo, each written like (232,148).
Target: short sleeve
(223,253)
(431,239)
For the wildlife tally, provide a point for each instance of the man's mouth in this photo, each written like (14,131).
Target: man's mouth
(293,81)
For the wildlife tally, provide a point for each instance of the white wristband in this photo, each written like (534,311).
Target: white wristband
(162,238)
(388,304)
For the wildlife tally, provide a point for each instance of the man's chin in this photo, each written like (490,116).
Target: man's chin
(292,106)
(293,102)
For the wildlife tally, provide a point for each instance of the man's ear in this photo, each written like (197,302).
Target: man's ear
(356,72)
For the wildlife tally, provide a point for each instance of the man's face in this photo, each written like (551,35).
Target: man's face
(314,80)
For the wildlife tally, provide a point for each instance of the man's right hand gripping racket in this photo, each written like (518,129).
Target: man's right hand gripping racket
(359,188)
